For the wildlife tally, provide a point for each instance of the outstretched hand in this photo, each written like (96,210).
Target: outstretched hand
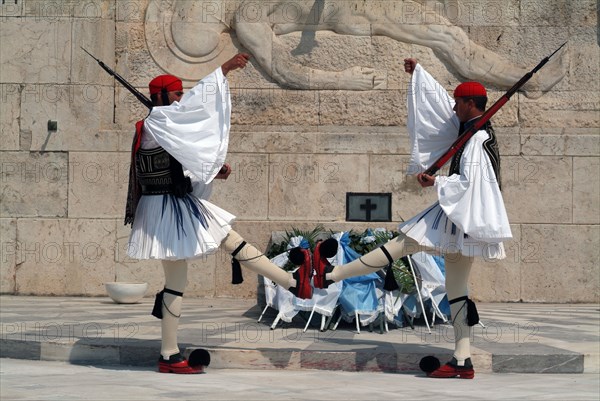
(410,64)
(238,61)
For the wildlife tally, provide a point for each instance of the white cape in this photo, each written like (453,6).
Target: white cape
(195,130)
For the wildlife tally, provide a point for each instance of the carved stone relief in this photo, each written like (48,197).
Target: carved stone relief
(183,34)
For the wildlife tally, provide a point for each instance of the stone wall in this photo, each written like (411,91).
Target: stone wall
(295,152)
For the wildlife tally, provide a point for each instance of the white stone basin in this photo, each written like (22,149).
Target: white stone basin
(126,293)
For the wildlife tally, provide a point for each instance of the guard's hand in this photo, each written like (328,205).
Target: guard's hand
(238,61)
(425,180)
(410,64)
(224,172)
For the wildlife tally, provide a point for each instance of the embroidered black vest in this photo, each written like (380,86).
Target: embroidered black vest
(490,146)
(160,173)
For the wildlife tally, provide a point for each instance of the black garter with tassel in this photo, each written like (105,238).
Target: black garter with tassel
(158,301)
(236,269)
(390,283)
(472,314)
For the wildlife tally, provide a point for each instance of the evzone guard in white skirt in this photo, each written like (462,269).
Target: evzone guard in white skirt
(468,220)
(178,149)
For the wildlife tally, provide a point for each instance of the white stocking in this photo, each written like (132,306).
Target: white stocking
(376,259)
(254,260)
(175,280)
(458,268)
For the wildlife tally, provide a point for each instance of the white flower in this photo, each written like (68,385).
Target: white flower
(367,239)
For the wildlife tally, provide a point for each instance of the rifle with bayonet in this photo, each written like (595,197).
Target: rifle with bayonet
(139,95)
(485,118)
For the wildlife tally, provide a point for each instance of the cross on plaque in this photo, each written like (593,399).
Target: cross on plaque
(368,206)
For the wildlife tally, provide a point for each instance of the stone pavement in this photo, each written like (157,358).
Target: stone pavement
(59,381)
(517,338)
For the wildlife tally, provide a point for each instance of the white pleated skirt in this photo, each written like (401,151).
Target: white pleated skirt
(434,230)
(167,227)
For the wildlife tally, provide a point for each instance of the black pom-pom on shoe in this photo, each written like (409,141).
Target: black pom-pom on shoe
(199,357)
(429,363)
(296,256)
(329,248)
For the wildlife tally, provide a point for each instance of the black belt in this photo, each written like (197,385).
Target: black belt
(164,189)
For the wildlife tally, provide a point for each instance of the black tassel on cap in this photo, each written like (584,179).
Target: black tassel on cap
(390,283)
(236,269)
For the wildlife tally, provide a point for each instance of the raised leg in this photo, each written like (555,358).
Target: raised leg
(375,260)
(254,260)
